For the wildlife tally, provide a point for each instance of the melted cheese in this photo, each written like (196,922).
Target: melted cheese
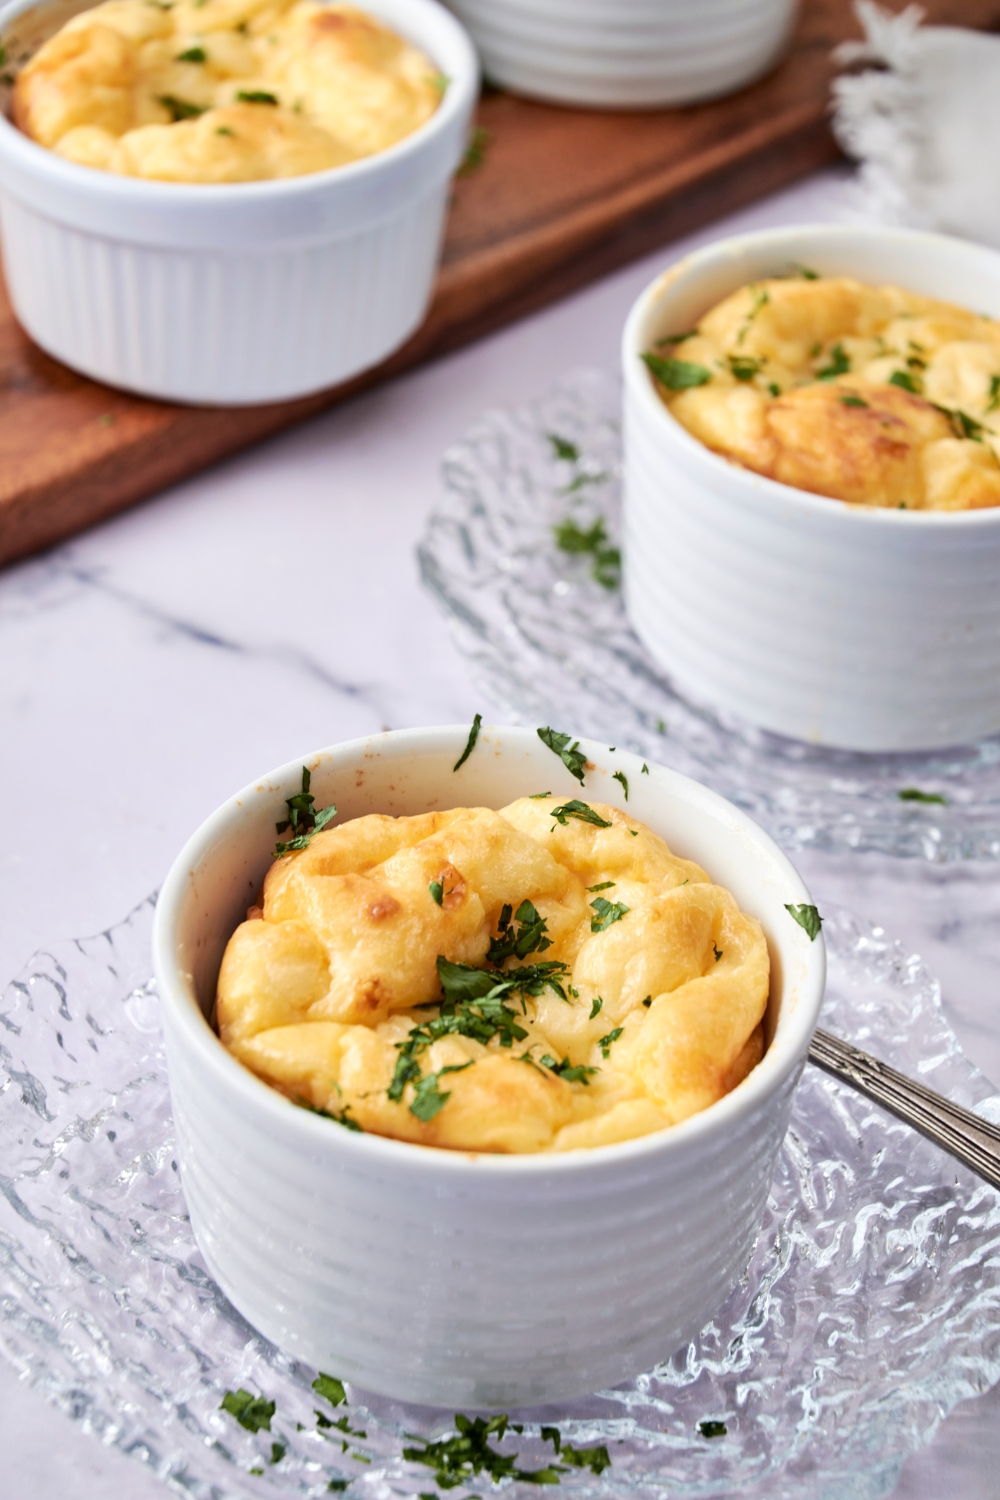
(223,90)
(324,981)
(871,395)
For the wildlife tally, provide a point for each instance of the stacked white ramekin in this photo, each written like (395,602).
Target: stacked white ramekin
(443,1276)
(244,292)
(627,54)
(849,626)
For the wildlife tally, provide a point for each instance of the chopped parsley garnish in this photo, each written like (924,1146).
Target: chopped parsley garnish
(437,891)
(475,152)
(914,794)
(712,1429)
(256,96)
(428,1100)
(759,298)
(675,338)
(839,364)
(224,130)
(607,561)
(539,796)
(677,374)
(530,938)
(807,274)
(608,913)
(440,81)
(571,756)
(470,744)
(717,952)
(962,425)
(342,1424)
(645,769)
(563,448)
(565,1069)
(341,1484)
(907,382)
(774,388)
(596,1007)
(579,810)
(854,401)
(648,1001)
(252,1412)
(331,1389)
(622,779)
(605,1042)
(744,367)
(180,109)
(808,919)
(456,1459)
(342,1116)
(994,401)
(278,1451)
(605,885)
(303,819)
(193,54)
(596,1459)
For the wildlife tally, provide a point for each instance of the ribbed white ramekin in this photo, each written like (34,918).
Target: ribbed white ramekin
(856,627)
(445,1277)
(627,54)
(243,292)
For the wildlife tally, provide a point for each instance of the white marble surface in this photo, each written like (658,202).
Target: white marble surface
(272,605)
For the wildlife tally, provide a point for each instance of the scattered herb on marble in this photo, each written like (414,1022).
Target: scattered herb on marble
(455,1460)
(331,1389)
(622,780)
(606,564)
(470,744)
(914,794)
(712,1429)
(808,919)
(180,109)
(677,374)
(563,448)
(839,364)
(256,96)
(607,913)
(252,1412)
(605,1042)
(278,1451)
(475,152)
(579,810)
(571,755)
(341,1484)
(303,819)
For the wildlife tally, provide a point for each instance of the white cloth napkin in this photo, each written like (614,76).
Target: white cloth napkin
(924,124)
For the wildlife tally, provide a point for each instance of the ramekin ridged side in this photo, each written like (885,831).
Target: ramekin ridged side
(627,54)
(856,627)
(382,1260)
(244,292)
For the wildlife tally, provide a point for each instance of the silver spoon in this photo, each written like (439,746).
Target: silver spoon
(965,1135)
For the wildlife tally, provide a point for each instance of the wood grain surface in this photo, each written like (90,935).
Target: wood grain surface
(562,196)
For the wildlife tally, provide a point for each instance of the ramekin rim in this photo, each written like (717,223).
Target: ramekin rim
(639,383)
(457,97)
(762,1084)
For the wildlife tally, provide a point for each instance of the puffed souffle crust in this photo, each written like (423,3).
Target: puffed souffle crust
(318,1233)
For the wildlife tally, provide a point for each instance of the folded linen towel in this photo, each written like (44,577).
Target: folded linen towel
(924,124)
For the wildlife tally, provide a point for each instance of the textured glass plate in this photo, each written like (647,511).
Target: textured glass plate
(870,1307)
(552,646)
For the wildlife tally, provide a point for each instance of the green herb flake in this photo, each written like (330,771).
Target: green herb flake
(529,938)
(648,1001)
(455,1460)
(645,769)
(914,794)
(256,96)
(252,1412)
(608,913)
(595,1459)
(437,891)
(341,1484)
(808,919)
(676,338)
(759,298)
(331,1389)
(579,810)
(607,560)
(717,952)
(278,1451)
(475,152)
(743,367)
(595,1009)
(906,381)
(564,449)
(677,374)
(303,819)
(713,1429)
(806,273)
(839,364)
(3,56)
(470,745)
(341,1117)
(622,780)
(193,54)
(994,400)
(854,401)
(440,81)
(180,109)
(224,130)
(605,885)
(571,755)
(565,1069)
(962,425)
(605,1042)
(539,796)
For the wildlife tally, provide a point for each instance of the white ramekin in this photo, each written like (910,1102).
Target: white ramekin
(627,54)
(387,1263)
(243,292)
(856,627)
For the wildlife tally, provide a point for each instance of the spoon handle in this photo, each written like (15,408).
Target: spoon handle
(965,1135)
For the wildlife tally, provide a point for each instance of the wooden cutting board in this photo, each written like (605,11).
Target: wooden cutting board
(561,197)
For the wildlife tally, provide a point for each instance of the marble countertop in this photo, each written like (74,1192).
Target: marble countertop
(271,605)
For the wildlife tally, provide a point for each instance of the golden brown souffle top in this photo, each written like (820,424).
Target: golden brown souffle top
(214,91)
(868,394)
